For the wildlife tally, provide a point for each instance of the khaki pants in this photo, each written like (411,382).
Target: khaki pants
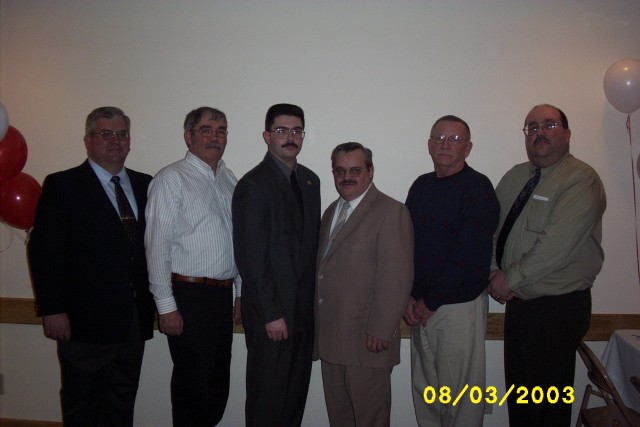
(450,352)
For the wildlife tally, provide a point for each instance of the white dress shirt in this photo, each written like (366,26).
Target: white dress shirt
(189,228)
(105,176)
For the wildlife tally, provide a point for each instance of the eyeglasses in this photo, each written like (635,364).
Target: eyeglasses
(534,128)
(283,132)
(341,172)
(109,135)
(208,132)
(452,139)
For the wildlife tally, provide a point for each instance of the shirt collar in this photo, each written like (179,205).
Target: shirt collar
(355,202)
(284,168)
(104,175)
(200,164)
(548,169)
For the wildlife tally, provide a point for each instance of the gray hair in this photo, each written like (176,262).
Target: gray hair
(194,117)
(104,113)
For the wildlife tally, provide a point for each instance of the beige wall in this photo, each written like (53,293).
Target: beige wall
(375,72)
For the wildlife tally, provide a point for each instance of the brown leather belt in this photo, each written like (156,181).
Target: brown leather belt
(201,280)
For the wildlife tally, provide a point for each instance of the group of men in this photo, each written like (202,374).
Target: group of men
(308,287)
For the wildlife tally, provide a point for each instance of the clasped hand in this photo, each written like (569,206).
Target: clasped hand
(499,288)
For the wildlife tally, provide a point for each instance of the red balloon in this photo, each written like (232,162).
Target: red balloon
(13,154)
(18,201)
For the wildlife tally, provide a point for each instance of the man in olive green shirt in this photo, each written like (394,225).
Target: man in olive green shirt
(545,265)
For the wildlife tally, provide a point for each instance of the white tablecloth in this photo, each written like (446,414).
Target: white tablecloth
(621,359)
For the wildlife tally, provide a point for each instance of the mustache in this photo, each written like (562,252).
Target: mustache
(290,144)
(540,139)
(214,145)
(348,182)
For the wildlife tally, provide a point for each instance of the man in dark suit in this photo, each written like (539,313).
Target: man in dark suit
(89,274)
(276,216)
(365,272)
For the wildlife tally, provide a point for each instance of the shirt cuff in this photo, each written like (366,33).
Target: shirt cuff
(166,305)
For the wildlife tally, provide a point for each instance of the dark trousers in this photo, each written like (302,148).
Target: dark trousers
(278,375)
(201,355)
(100,381)
(540,343)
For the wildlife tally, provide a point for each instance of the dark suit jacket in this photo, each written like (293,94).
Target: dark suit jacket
(364,282)
(275,246)
(82,262)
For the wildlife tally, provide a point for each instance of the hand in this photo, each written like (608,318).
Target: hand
(499,288)
(277,330)
(376,345)
(57,327)
(410,316)
(422,312)
(237,311)
(171,323)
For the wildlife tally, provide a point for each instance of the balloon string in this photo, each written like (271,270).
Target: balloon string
(12,233)
(635,206)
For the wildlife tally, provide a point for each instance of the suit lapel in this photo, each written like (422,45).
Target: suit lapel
(352,222)
(325,230)
(140,194)
(284,187)
(96,196)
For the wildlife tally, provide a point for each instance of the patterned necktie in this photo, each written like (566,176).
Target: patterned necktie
(293,180)
(126,213)
(513,214)
(342,218)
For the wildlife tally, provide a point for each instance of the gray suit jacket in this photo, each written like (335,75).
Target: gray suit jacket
(363,282)
(275,246)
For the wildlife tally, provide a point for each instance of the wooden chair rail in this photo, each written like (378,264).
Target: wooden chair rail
(7,422)
(21,311)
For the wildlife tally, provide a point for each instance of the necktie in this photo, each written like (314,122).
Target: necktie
(342,218)
(126,213)
(293,180)
(513,214)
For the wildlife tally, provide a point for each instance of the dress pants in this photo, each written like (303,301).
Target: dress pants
(450,352)
(278,375)
(100,381)
(201,355)
(357,396)
(541,337)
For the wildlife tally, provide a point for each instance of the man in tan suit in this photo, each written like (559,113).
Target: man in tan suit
(364,277)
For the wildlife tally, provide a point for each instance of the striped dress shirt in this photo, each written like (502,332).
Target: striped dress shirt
(189,228)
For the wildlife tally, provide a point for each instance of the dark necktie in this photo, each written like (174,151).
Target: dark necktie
(293,180)
(126,213)
(513,214)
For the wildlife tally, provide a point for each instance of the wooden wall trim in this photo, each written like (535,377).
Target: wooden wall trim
(7,422)
(22,311)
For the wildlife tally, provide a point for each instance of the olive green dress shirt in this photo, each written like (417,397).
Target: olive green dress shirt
(554,246)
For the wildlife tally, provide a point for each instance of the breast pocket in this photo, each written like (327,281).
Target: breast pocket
(537,213)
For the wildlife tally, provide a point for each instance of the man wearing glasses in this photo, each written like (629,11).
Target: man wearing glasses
(191,269)
(276,216)
(89,273)
(365,271)
(455,214)
(547,255)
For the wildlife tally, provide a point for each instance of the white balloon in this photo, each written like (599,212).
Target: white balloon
(4,121)
(622,85)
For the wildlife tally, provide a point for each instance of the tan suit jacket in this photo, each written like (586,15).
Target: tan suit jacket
(363,282)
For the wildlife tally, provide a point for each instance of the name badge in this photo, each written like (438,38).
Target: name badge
(538,197)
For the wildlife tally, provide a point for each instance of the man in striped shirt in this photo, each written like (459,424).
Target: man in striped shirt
(189,247)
